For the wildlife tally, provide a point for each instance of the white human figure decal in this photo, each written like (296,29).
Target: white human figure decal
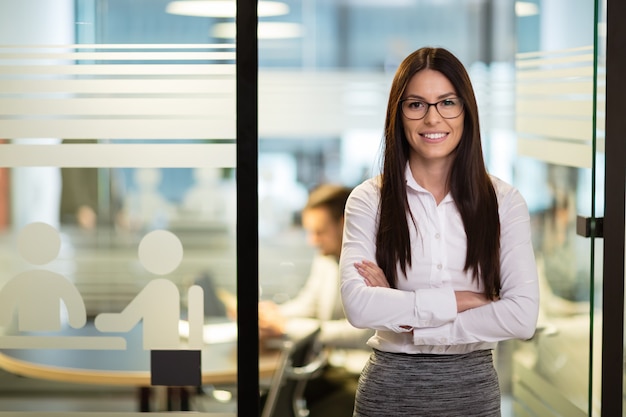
(36,295)
(158,303)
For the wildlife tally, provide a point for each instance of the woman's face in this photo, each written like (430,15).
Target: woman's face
(431,139)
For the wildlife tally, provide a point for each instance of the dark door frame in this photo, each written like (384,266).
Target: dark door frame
(248,403)
(615,186)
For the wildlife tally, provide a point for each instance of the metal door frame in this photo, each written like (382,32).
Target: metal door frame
(615,186)
(248,403)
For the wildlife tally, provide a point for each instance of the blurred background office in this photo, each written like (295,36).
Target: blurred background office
(324,72)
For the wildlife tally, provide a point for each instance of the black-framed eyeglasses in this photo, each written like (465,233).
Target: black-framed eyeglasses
(448,108)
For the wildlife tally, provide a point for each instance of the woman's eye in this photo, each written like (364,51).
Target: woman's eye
(451,102)
(415,105)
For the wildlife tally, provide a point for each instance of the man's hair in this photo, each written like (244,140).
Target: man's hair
(330,196)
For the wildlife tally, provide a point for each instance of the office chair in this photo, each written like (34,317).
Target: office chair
(302,359)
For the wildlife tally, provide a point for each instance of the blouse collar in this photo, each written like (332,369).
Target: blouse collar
(411,183)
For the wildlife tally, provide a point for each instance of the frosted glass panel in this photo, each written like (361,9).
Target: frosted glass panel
(554,106)
(117,209)
(560,121)
(118,91)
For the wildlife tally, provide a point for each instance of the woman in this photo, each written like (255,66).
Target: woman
(437,254)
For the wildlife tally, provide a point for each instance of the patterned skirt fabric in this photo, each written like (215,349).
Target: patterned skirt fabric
(423,385)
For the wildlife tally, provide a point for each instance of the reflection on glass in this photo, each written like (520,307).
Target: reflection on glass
(561,345)
(554,373)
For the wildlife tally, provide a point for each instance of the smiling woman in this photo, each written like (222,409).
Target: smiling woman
(436,256)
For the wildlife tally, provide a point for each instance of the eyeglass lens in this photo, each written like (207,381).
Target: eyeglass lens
(448,108)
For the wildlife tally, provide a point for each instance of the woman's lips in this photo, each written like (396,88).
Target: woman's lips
(434,137)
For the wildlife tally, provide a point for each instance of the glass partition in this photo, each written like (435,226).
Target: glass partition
(118,235)
(323,93)
(560,129)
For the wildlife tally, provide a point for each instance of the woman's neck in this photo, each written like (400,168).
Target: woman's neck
(433,177)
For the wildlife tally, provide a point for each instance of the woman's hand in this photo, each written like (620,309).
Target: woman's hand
(466,300)
(373,275)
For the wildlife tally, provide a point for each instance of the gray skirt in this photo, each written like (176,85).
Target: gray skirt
(424,385)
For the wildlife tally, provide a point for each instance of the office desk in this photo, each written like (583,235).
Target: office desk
(131,367)
(127,368)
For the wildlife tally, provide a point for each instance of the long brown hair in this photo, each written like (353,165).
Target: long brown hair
(470,185)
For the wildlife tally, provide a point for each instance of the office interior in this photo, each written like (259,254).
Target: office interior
(152,148)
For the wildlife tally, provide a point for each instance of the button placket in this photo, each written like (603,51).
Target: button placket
(430,211)
(438,221)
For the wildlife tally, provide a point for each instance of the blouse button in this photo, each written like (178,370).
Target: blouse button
(439,266)
(437,235)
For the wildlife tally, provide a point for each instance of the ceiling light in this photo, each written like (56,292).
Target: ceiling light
(222,8)
(265,30)
(526,8)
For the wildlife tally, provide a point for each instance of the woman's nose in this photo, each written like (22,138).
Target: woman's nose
(432,115)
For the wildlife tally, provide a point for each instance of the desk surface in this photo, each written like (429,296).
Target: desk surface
(131,367)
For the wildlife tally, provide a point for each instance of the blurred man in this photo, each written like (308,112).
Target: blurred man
(322,218)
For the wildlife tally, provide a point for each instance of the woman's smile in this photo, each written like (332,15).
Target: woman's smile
(434,137)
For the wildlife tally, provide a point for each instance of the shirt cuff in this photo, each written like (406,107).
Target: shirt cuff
(435,306)
(434,336)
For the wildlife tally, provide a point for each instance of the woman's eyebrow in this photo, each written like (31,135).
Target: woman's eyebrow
(440,97)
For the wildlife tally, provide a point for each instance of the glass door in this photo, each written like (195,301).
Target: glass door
(560,98)
(118,238)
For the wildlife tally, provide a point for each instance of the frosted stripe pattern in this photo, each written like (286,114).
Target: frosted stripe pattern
(219,155)
(127,93)
(554,106)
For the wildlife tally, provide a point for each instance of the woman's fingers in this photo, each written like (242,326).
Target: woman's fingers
(373,275)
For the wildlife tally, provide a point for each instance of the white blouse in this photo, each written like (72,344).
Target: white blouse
(425,299)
